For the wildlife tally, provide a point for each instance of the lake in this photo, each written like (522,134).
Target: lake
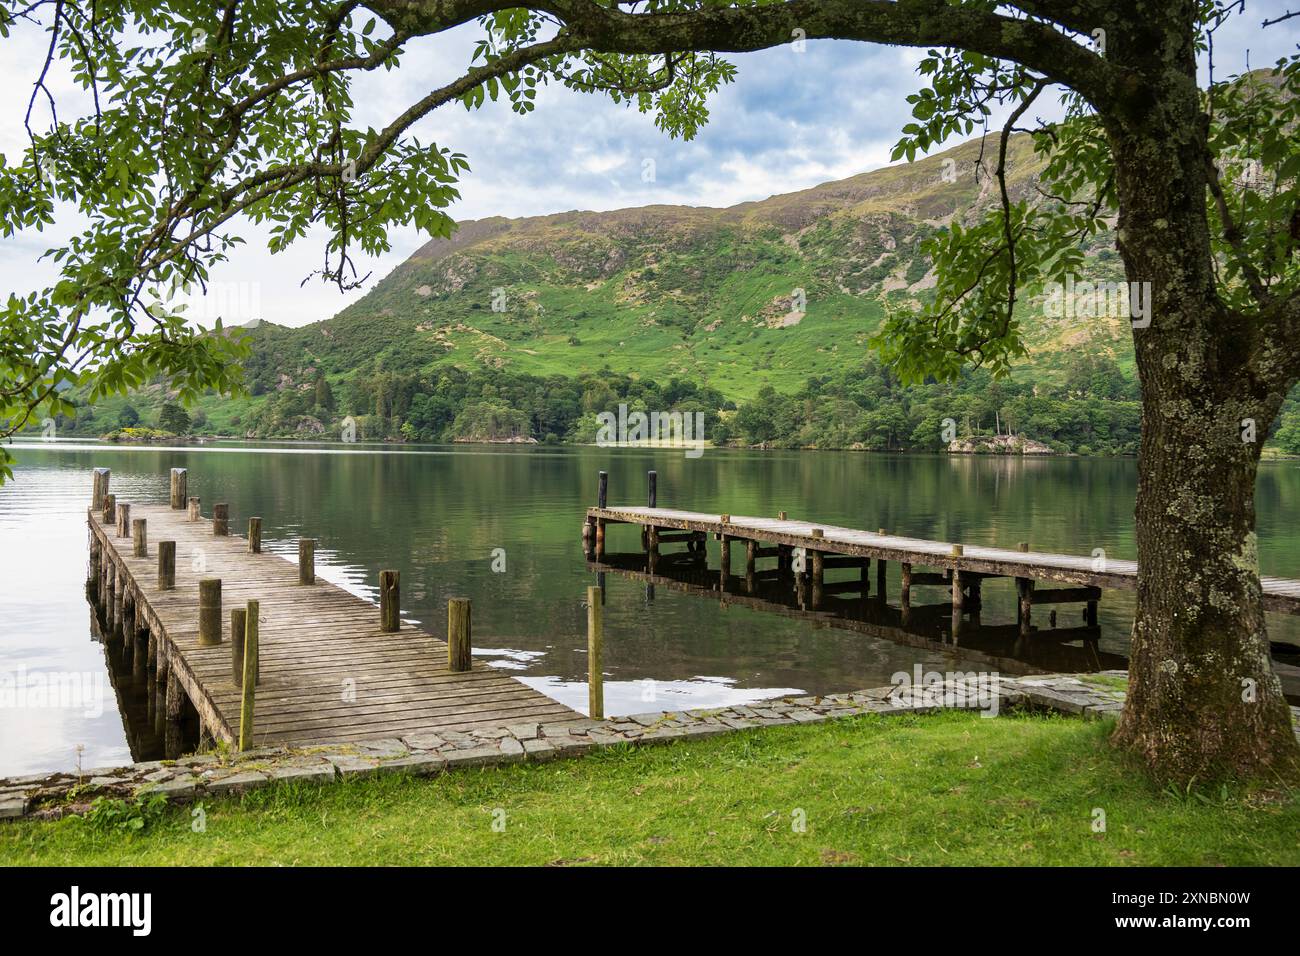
(439,514)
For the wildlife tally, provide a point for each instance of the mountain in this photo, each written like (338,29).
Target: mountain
(699,293)
(525,327)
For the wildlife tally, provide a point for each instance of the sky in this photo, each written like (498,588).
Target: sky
(791,120)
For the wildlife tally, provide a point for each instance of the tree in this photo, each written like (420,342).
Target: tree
(128,417)
(173,418)
(324,395)
(247,113)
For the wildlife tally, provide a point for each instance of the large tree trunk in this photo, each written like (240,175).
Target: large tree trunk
(1203,700)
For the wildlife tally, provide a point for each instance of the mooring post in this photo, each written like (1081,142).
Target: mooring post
(389,601)
(251,672)
(652,489)
(254,535)
(306,560)
(1025,596)
(179,481)
(751,557)
(459,647)
(221,519)
(139,538)
(209,612)
(602,500)
(595,645)
(99,489)
(238,616)
(110,510)
(124,520)
(239,641)
(166,565)
(195,514)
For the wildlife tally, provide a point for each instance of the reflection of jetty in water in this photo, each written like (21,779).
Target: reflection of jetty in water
(846,605)
(141,697)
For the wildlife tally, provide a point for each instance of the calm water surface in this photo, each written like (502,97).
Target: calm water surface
(437,514)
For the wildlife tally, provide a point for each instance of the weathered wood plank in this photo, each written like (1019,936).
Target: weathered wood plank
(312,639)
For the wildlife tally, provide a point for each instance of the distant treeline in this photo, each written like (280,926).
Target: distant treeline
(1091,409)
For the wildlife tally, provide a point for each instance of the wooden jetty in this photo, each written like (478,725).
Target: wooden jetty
(804,550)
(253,642)
(990,647)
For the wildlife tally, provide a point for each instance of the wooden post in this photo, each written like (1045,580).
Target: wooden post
(209,612)
(306,560)
(175,695)
(905,594)
(107,592)
(652,489)
(178,487)
(239,641)
(880,573)
(250,675)
(93,575)
(602,499)
(389,601)
(595,643)
(459,645)
(119,598)
(958,599)
(124,520)
(195,514)
(221,519)
(818,574)
(751,558)
(139,538)
(110,510)
(1090,614)
(166,565)
(780,515)
(254,535)
(238,616)
(99,489)
(1025,594)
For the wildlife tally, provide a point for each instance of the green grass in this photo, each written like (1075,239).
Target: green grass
(941,789)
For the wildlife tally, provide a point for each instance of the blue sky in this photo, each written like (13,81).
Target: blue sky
(791,120)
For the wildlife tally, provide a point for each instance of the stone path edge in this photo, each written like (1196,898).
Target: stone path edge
(52,795)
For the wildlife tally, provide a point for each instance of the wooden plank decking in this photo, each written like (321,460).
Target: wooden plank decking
(328,673)
(1280,594)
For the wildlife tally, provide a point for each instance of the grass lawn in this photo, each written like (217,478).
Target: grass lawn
(949,788)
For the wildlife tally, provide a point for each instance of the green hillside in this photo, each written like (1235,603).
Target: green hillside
(529,327)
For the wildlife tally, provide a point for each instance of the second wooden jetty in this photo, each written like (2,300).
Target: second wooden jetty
(804,550)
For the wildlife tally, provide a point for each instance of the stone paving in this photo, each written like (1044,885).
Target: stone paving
(423,754)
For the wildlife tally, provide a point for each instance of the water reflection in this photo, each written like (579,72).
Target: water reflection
(966,641)
(437,514)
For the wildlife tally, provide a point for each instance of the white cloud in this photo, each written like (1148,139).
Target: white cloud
(791,121)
